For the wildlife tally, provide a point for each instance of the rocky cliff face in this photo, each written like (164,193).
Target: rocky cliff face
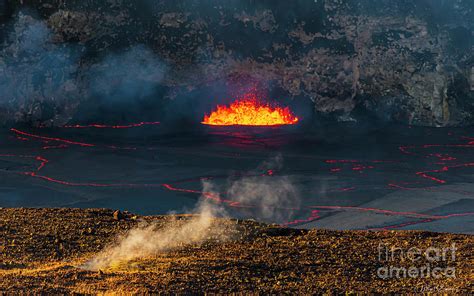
(402,61)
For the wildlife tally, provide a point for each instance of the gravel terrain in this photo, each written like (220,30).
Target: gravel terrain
(42,250)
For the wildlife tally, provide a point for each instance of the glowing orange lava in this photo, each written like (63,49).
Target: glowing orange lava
(250,111)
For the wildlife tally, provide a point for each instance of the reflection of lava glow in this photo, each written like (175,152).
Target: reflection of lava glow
(250,111)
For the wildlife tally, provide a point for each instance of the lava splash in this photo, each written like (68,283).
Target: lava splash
(250,111)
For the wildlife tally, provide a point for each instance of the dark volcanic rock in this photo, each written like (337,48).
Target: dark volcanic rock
(118,215)
(396,61)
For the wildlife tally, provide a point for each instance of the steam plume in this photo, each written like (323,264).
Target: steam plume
(149,240)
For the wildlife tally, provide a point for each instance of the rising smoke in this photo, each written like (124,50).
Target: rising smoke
(150,239)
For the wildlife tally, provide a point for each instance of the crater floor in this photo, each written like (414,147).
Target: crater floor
(395,178)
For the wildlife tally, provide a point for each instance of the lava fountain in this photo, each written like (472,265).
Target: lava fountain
(249,110)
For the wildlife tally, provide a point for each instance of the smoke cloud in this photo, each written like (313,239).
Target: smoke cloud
(43,81)
(123,86)
(127,76)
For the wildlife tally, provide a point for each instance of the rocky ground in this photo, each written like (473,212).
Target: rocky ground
(42,250)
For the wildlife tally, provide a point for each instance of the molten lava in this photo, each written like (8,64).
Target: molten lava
(250,111)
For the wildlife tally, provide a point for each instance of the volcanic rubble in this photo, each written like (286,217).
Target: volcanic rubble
(42,250)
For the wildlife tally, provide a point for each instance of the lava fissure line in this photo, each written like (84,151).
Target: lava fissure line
(314,216)
(43,161)
(70,142)
(67,183)
(51,139)
(424,174)
(97,125)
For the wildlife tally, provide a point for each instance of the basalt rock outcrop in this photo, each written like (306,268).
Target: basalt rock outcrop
(397,61)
